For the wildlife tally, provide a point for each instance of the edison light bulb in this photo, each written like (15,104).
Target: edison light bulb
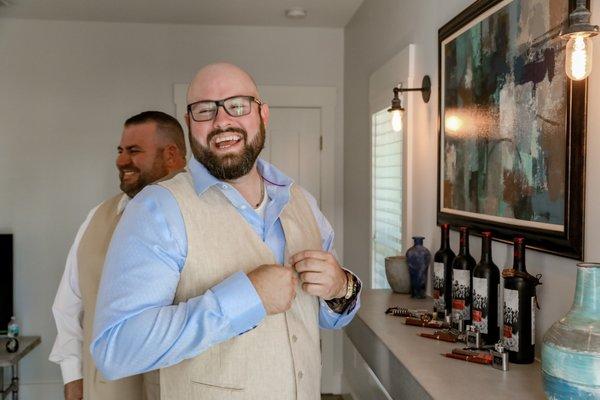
(579,57)
(397,120)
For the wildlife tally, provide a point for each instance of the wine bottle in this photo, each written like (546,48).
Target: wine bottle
(442,274)
(518,333)
(486,279)
(462,268)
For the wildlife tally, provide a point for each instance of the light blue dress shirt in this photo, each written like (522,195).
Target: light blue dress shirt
(137,327)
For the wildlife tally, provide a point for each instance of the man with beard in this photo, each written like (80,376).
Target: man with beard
(236,261)
(152,147)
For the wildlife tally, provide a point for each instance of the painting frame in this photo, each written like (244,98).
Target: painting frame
(569,240)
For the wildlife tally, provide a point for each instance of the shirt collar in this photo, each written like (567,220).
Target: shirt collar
(122,203)
(203,179)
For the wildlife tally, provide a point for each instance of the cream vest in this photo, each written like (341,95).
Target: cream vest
(278,360)
(90,260)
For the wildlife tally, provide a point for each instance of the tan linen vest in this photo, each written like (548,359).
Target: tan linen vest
(90,260)
(278,360)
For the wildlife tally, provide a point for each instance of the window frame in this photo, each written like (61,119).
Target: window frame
(398,70)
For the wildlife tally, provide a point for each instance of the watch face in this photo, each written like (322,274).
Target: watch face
(12,345)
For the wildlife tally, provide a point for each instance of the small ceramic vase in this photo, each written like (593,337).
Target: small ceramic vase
(396,271)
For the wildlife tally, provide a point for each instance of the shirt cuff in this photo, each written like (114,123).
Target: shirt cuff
(71,370)
(342,306)
(239,302)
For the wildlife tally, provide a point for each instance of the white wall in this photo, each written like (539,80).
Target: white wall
(65,90)
(379,30)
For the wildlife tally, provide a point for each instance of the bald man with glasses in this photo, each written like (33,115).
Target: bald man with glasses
(223,274)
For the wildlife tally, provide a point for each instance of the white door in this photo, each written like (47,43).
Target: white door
(293,145)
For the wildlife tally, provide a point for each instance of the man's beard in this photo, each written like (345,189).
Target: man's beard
(159,170)
(229,166)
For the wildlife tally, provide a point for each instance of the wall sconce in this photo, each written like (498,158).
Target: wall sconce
(397,110)
(579,45)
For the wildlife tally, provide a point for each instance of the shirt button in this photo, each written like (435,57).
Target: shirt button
(224,186)
(300,375)
(294,338)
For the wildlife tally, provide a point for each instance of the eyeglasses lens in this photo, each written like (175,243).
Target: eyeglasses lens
(234,106)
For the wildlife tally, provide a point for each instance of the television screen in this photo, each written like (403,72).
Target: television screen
(6,280)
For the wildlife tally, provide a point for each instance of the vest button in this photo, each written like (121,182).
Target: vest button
(300,375)
(294,338)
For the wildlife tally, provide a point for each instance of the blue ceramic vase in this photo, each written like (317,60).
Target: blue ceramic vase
(571,347)
(418,258)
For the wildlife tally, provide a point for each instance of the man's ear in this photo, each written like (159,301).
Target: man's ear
(171,155)
(265,113)
(187,120)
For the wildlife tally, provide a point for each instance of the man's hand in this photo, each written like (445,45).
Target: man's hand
(320,274)
(276,286)
(74,390)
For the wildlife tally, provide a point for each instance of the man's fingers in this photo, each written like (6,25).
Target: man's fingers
(313,288)
(310,265)
(317,254)
(312,277)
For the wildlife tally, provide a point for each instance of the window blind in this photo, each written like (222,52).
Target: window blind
(386,199)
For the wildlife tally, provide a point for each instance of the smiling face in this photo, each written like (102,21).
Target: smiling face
(227,146)
(141,159)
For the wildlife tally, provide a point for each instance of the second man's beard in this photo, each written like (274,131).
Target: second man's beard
(159,170)
(234,165)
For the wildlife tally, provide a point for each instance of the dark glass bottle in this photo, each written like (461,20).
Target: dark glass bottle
(442,274)
(486,279)
(518,332)
(462,269)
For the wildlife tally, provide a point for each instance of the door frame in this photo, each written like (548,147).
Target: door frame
(324,98)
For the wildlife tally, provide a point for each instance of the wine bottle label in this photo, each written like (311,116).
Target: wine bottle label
(533,321)
(479,315)
(510,332)
(461,287)
(438,286)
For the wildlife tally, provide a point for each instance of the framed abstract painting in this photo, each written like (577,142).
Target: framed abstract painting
(512,125)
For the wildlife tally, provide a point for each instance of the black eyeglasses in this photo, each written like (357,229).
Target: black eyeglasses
(236,106)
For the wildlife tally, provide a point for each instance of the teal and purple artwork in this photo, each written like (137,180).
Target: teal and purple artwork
(504,116)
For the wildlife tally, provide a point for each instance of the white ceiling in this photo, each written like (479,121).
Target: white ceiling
(322,13)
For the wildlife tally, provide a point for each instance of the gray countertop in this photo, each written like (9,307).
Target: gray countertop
(410,365)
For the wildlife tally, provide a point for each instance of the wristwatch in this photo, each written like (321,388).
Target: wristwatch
(350,285)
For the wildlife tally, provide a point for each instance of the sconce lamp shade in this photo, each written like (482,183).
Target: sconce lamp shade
(397,110)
